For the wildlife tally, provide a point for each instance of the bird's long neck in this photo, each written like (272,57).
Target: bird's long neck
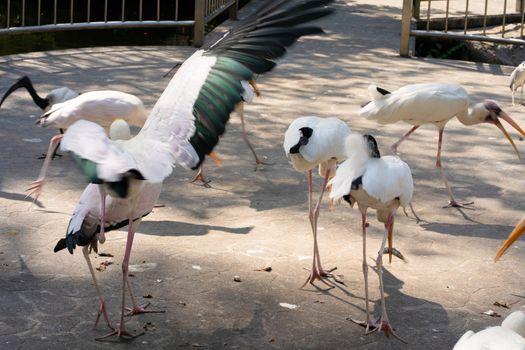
(470,116)
(39,101)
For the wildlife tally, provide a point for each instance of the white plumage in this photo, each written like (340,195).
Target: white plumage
(517,79)
(311,142)
(433,103)
(101,107)
(509,336)
(381,183)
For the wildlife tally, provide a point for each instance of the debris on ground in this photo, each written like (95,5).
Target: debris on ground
(237,278)
(491,313)
(104,264)
(109,255)
(501,304)
(148,296)
(266,268)
(288,306)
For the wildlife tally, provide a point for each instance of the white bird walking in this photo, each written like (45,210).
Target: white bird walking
(517,79)
(434,103)
(311,142)
(101,107)
(509,336)
(381,183)
(186,122)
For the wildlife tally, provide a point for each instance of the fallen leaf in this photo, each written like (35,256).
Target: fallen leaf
(272,340)
(103,264)
(149,296)
(106,254)
(501,304)
(491,313)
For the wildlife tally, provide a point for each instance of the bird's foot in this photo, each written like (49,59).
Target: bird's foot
(201,179)
(464,205)
(102,311)
(35,189)
(122,333)
(394,252)
(136,310)
(380,324)
(260,162)
(43,156)
(318,274)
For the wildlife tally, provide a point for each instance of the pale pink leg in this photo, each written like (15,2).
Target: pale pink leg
(37,185)
(317,272)
(102,304)
(398,142)
(452,202)
(122,331)
(366,323)
(240,110)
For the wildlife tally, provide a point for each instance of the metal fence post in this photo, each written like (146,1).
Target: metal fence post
(405,28)
(416,9)
(234,10)
(198,27)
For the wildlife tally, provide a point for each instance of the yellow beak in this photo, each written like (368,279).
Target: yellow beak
(514,235)
(515,125)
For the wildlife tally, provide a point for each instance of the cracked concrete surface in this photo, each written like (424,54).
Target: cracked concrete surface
(256,217)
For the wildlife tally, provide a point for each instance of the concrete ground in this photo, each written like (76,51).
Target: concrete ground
(186,254)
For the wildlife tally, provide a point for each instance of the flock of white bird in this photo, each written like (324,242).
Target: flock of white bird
(126,172)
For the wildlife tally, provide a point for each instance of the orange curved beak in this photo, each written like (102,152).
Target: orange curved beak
(515,125)
(514,235)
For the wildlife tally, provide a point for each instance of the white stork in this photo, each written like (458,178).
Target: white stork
(88,223)
(311,142)
(434,103)
(513,236)
(382,183)
(186,122)
(101,107)
(517,79)
(509,336)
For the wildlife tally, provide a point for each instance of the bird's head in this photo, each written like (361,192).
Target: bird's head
(490,112)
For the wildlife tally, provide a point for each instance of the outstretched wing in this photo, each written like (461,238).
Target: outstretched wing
(192,112)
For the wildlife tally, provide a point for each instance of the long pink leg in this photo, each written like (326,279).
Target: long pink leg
(102,305)
(367,323)
(138,309)
(240,110)
(122,331)
(317,272)
(398,142)
(383,324)
(37,185)
(452,202)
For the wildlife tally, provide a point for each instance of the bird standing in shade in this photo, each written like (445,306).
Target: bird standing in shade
(88,223)
(434,103)
(310,142)
(517,79)
(381,183)
(186,122)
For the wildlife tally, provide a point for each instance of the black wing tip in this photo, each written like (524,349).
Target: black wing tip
(382,91)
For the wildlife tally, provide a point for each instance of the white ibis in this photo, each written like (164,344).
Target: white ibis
(509,336)
(517,79)
(186,122)
(101,107)
(57,95)
(311,142)
(434,103)
(84,228)
(381,183)
(513,236)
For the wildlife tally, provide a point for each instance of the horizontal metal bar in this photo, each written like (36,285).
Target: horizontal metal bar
(95,25)
(470,37)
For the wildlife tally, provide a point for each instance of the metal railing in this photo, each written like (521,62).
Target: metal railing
(464,21)
(80,16)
